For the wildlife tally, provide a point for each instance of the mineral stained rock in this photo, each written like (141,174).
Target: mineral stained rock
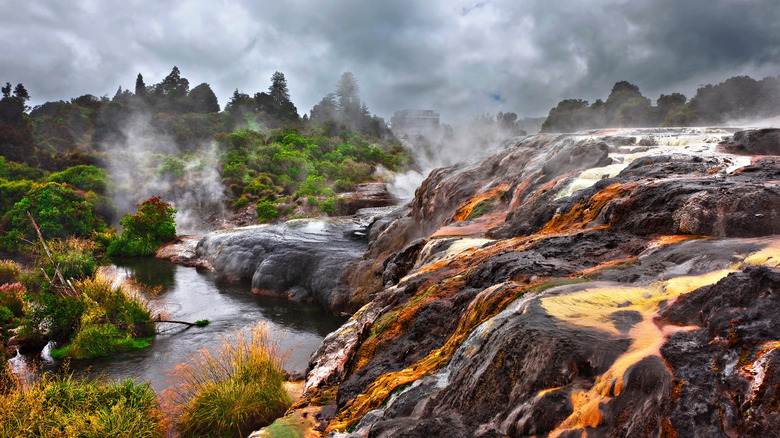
(614,283)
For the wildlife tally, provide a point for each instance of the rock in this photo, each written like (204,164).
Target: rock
(367,195)
(182,251)
(301,259)
(619,283)
(754,142)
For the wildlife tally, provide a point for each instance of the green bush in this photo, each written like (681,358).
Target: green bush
(266,211)
(146,230)
(58,407)
(83,177)
(231,392)
(59,210)
(12,171)
(12,192)
(73,257)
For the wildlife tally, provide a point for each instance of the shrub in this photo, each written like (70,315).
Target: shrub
(266,211)
(146,230)
(231,392)
(101,320)
(83,177)
(67,407)
(59,211)
(73,257)
(12,192)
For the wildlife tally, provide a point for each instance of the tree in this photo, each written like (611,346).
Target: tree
(325,110)
(347,95)
(278,89)
(203,100)
(140,86)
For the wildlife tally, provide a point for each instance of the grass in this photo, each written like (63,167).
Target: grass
(62,406)
(230,392)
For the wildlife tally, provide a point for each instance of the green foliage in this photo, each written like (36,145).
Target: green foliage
(59,210)
(101,320)
(291,162)
(12,192)
(266,211)
(146,230)
(58,407)
(73,258)
(19,171)
(231,392)
(83,177)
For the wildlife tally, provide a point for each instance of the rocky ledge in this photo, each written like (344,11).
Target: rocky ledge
(612,283)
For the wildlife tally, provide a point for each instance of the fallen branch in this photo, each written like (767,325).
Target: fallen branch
(67,286)
(198,323)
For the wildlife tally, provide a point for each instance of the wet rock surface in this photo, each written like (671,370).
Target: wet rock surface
(301,259)
(754,142)
(615,283)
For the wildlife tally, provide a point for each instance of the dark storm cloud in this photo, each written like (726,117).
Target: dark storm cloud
(460,57)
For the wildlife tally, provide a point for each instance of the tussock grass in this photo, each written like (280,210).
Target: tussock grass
(62,406)
(9,271)
(229,392)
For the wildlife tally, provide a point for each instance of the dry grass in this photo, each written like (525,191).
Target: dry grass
(229,392)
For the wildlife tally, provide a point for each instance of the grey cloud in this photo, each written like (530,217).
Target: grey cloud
(454,56)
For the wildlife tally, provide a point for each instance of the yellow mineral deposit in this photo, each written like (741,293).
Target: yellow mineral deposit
(591,308)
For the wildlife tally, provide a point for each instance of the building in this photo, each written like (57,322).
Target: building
(415,122)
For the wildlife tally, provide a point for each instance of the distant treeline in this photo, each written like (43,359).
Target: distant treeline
(737,98)
(58,135)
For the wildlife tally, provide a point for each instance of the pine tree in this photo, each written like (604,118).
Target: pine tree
(140,87)
(278,89)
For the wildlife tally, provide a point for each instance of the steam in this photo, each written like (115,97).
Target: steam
(143,163)
(449,146)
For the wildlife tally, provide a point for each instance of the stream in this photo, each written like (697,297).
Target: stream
(189,295)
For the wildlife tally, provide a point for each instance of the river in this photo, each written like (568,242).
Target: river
(189,295)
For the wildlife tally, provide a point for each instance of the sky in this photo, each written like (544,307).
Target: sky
(462,58)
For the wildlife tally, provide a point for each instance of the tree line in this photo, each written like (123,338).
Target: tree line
(60,134)
(736,98)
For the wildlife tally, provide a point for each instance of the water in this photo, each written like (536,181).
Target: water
(188,295)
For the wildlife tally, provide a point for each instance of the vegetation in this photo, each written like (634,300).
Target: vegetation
(230,392)
(94,319)
(62,406)
(737,98)
(145,231)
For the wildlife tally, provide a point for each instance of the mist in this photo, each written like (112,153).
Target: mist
(143,163)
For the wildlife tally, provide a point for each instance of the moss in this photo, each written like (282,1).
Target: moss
(481,208)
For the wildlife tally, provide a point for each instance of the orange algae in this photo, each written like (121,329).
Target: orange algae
(476,226)
(670,240)
(465,210)
(756,370)
(486,305)
(583,213)
(605,265)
